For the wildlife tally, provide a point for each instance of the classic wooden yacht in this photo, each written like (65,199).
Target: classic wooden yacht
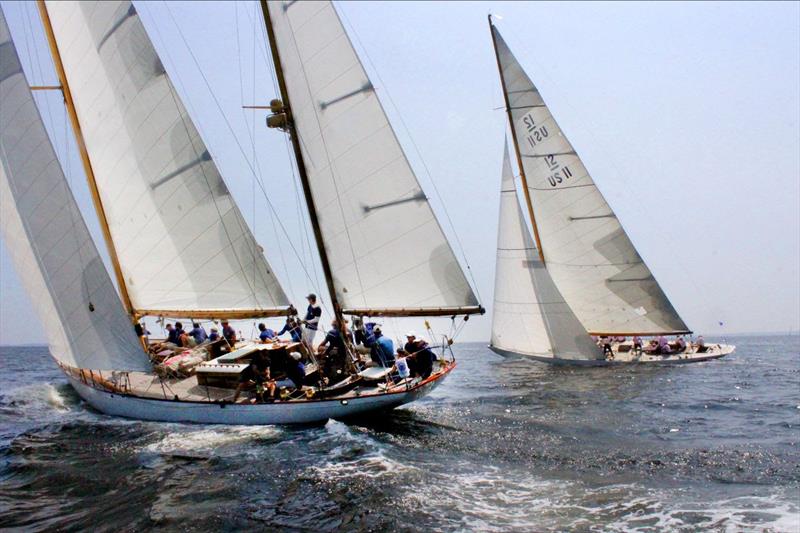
(178,244)
(578,276)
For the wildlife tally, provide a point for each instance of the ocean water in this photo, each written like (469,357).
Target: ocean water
(502,445)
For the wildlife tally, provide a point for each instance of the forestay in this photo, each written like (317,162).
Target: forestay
(586,250)
(47,238)
(182,243)
(529,316)
(384,245)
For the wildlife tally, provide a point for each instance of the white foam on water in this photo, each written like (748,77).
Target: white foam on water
(36,399)
(206,441)
(355,455)
(488,499)
(771,514)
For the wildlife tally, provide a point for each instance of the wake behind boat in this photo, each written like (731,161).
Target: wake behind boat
(158,193)
(576,291)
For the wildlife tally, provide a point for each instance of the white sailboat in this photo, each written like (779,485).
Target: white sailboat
(580,275)
(158,194)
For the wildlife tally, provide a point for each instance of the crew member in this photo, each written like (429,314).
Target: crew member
(266,335)
(335,352)
(229,333)
(421,355)
(637,345)
(172,336)
(257,373)
(293,328)
(700,345)
(382,351)
(311,321)
(198,333)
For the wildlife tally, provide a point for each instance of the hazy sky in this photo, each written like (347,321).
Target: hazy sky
(686,114)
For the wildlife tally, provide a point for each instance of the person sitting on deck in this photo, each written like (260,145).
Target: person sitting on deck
(186,341)
(229,333)
(257,373)
(334,351)
(267,334)
(198,333)
(680,345)
(605,342)
(296,370)
(292,327)
(214,335)
(420,354)
(663,346)
(637,345)
(700,345)
(178,330)
(142,334)
(172,336)
(382,349)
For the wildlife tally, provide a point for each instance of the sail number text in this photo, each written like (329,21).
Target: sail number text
(535,133)
(558,173)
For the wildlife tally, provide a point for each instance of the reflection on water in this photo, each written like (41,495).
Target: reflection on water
(504,444)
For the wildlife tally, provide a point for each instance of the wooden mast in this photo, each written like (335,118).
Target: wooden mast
(87,164)
(516,145)
(301,169)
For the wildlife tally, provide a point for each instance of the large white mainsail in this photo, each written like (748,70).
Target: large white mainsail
(48,241)
(529,316)
(183,246)
(385,248)
(586,250)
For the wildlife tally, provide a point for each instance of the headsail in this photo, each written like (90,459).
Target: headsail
(586,250)
(386,250)
(529,315)
(183,246)
(48,241)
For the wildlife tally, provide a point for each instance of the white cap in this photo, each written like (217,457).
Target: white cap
(296,356)
(411,334)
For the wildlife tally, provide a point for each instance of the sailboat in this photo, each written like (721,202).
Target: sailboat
(178,245)
(578,275)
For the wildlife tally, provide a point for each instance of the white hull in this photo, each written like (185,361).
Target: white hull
(715,351)
(296,412)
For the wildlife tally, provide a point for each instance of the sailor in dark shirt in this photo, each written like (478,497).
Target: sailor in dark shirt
(293,328)
(266,334)
(172,335)
(229,333)
(198,333)
(311,321)
(420,356)
(296,369)
(257,373)
(335,354)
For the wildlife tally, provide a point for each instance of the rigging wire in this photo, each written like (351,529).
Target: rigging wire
(416,149)
(305,238)
(252,136)
(233,134)
(334,173)
(241,96)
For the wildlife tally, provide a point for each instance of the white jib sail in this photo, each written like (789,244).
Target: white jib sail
(586,250)
(384,244)
(181,241)
(529,316)
(48,241)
